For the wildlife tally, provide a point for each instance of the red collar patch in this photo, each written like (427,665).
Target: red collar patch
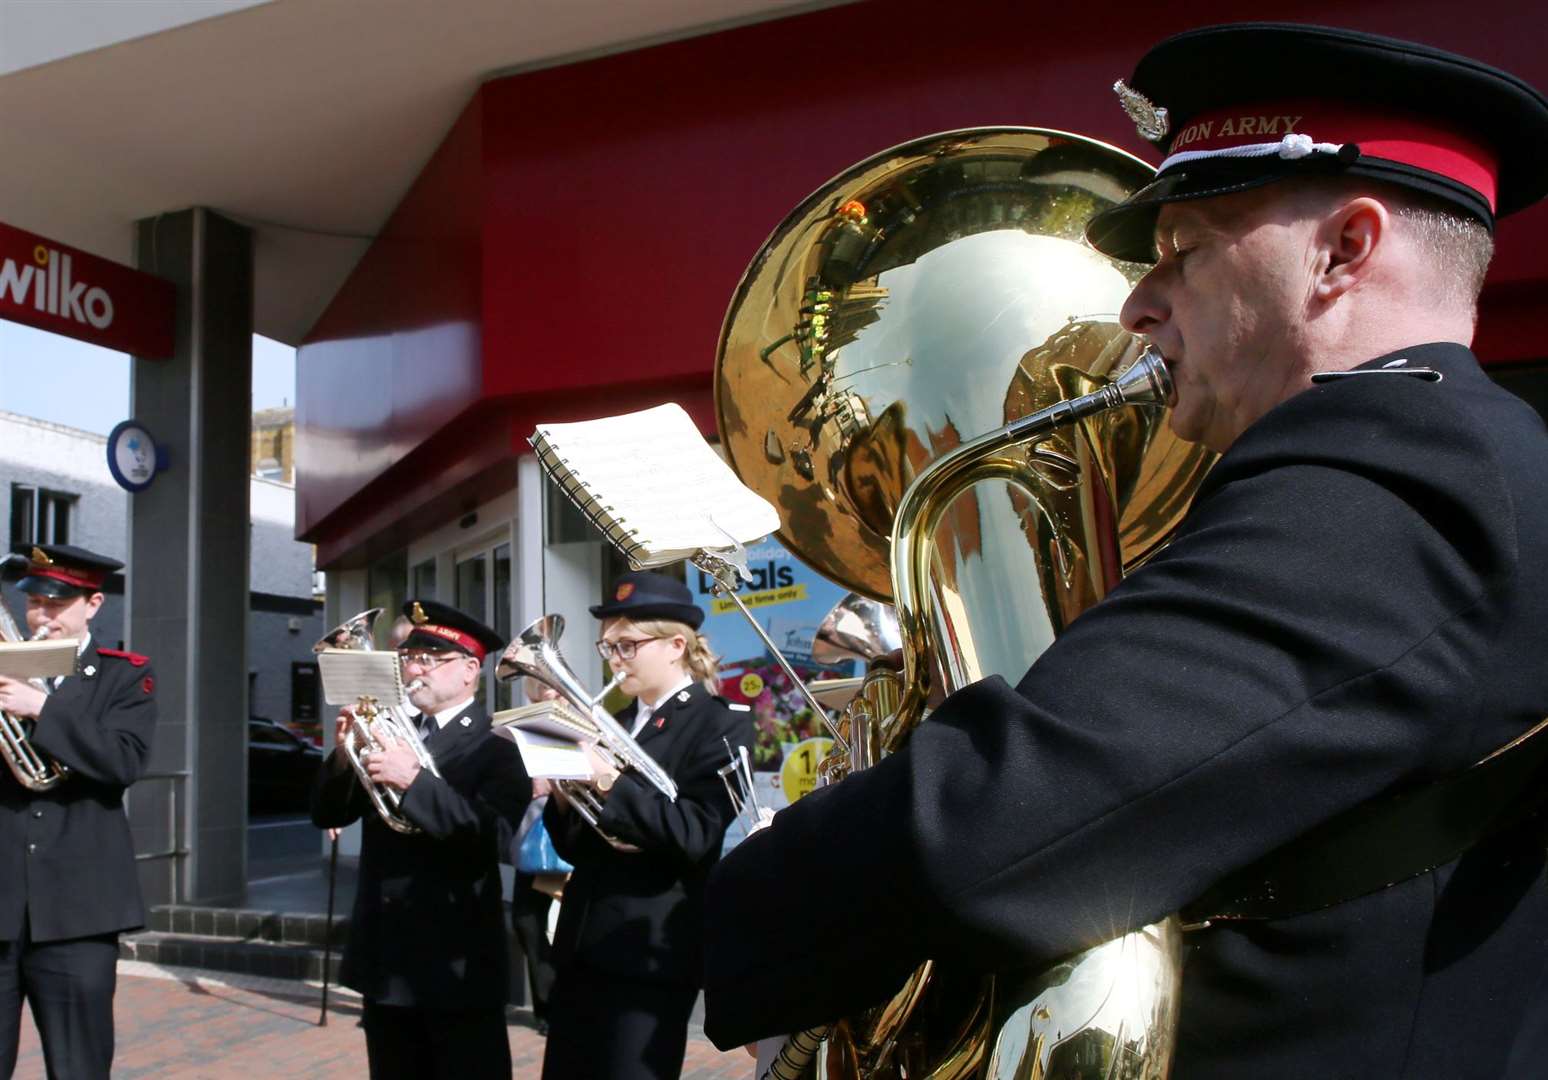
(137,659)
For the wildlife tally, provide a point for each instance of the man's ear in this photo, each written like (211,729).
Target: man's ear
(1350,237)
(93,602)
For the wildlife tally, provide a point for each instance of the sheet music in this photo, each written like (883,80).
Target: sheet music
(351,674)
(39,659)
(548,757)
(653,472)
(553,718)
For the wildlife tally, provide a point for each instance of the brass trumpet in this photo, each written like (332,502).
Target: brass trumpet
(535,653)
(374,726)
(32,770)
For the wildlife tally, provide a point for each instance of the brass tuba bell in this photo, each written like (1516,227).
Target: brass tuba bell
(923,370)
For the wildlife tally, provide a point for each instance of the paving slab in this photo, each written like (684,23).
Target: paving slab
(187,1024)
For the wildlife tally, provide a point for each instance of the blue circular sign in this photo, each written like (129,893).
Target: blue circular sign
(132,456)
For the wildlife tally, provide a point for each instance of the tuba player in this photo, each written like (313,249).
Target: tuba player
(1355,607)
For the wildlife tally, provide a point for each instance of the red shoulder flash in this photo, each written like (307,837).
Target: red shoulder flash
(147,684)
(137,659)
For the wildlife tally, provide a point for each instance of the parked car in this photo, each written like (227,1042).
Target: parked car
(280,768)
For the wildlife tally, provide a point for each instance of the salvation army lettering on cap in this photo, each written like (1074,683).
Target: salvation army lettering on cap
(1241,105)
(1250,124)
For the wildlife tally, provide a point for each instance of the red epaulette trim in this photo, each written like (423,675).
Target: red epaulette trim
(134,658)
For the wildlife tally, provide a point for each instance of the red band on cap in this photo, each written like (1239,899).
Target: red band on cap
(81,579)
(453,635)
(1435,146)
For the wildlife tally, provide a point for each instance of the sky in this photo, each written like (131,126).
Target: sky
(69,382)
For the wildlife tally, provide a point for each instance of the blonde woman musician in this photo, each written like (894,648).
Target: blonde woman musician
(628,949)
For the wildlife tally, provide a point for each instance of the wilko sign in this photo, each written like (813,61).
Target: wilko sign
(66,291)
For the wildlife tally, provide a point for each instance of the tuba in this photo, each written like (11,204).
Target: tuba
(31,769)
(374,725)
(535,654)
(922,369)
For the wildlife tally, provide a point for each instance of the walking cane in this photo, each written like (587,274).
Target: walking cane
(333,874)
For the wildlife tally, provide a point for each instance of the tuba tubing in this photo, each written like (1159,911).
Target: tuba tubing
(925,501)
(1145,382)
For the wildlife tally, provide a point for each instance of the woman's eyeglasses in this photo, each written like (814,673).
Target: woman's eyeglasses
(623,649)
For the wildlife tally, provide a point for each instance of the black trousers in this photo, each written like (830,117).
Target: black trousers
(529,924)
(602,1026)
(431,1044)
(69,986)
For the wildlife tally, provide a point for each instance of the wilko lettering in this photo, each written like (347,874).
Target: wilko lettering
(1264,127)
(49,280)
(60,289)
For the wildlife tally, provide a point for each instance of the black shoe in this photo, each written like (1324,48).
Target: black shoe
(542,1028)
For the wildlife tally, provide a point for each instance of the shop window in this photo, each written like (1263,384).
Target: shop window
(424,580)
(39,515)
(566,524)
(385,584)
(501,621)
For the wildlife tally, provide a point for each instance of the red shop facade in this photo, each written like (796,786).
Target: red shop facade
(570,249)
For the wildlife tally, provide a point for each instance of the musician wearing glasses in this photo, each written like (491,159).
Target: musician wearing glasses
(66,859)
(1278,725)
(628,948)
(427,942)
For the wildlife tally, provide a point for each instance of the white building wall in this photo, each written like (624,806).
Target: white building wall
(66,459)
(278,563)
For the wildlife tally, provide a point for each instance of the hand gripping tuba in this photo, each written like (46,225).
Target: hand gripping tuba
(375,725)
(922,369)
(31,769)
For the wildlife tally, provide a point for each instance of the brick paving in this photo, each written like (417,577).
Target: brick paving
(184,1024)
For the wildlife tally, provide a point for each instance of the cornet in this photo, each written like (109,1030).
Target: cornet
(535,653)
(374,726)
(31,769)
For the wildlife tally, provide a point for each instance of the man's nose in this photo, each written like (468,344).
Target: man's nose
(1145,309)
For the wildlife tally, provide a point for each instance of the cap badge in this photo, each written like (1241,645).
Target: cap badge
(1151,122)
(418,615)
(625,590)
(40,557)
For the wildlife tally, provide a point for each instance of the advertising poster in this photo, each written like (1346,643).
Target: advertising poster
(789,600)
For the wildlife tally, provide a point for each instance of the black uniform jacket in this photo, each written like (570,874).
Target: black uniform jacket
(641,914)
(1356,603)
(65,854)
(428,926)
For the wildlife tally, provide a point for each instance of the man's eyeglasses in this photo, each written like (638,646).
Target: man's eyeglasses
(425,661)
(623,649)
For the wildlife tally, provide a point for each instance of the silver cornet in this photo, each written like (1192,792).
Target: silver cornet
(32,770)
(535,653)
(374,726)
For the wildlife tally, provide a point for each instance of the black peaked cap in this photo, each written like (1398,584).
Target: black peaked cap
(440,626)
(644,595)
(1218,67)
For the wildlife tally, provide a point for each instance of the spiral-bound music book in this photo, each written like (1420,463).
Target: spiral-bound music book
(38,659)
(654,487)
